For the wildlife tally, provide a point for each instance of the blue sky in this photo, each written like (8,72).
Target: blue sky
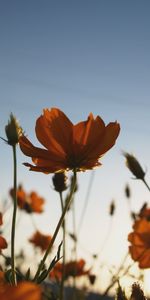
(80,56)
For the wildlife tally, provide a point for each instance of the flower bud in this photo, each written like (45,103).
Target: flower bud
(92,278)
(127,191)
(59,182)
(13,131)
(134,166)
(137,293)
(112,208)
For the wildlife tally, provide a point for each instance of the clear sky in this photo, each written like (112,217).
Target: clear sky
(80,56)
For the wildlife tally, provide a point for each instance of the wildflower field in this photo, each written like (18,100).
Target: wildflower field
(63,151)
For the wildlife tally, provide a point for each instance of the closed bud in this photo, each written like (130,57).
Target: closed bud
(133,216)
(59,182)
(134,166)
(137,293)
(95,256)
(112,208)
(127,191)
(13,131)
(73,236)
(92,278)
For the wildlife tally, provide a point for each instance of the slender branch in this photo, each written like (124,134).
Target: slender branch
(41,265)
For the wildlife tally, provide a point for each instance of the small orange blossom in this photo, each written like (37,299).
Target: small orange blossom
(71,269)
(30,202)
(40,240)
(140,242)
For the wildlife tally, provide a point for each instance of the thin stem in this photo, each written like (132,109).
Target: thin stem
(64,251)
(146,184)
(14,280)
(41,265)
(86,200)
(74,248)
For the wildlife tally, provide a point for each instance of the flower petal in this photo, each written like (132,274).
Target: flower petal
(30,150)
(87,132)
(46,169)
(54,131)
(23,291)
(108,139)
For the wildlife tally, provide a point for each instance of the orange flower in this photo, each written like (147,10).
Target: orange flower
(140,243)
(23,291)
(29,202)
(3,243)
(2,281)
(68,146)
(71,269)
(40,240)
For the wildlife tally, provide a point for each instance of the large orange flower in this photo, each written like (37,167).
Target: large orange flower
(23,291)
(68,146)
(140,243)
(30,202)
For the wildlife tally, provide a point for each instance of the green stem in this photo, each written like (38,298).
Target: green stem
(14,280)
(64,252)
(41,265)
(146,184)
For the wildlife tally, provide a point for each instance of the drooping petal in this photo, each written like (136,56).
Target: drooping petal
(46,170)
(30,150)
